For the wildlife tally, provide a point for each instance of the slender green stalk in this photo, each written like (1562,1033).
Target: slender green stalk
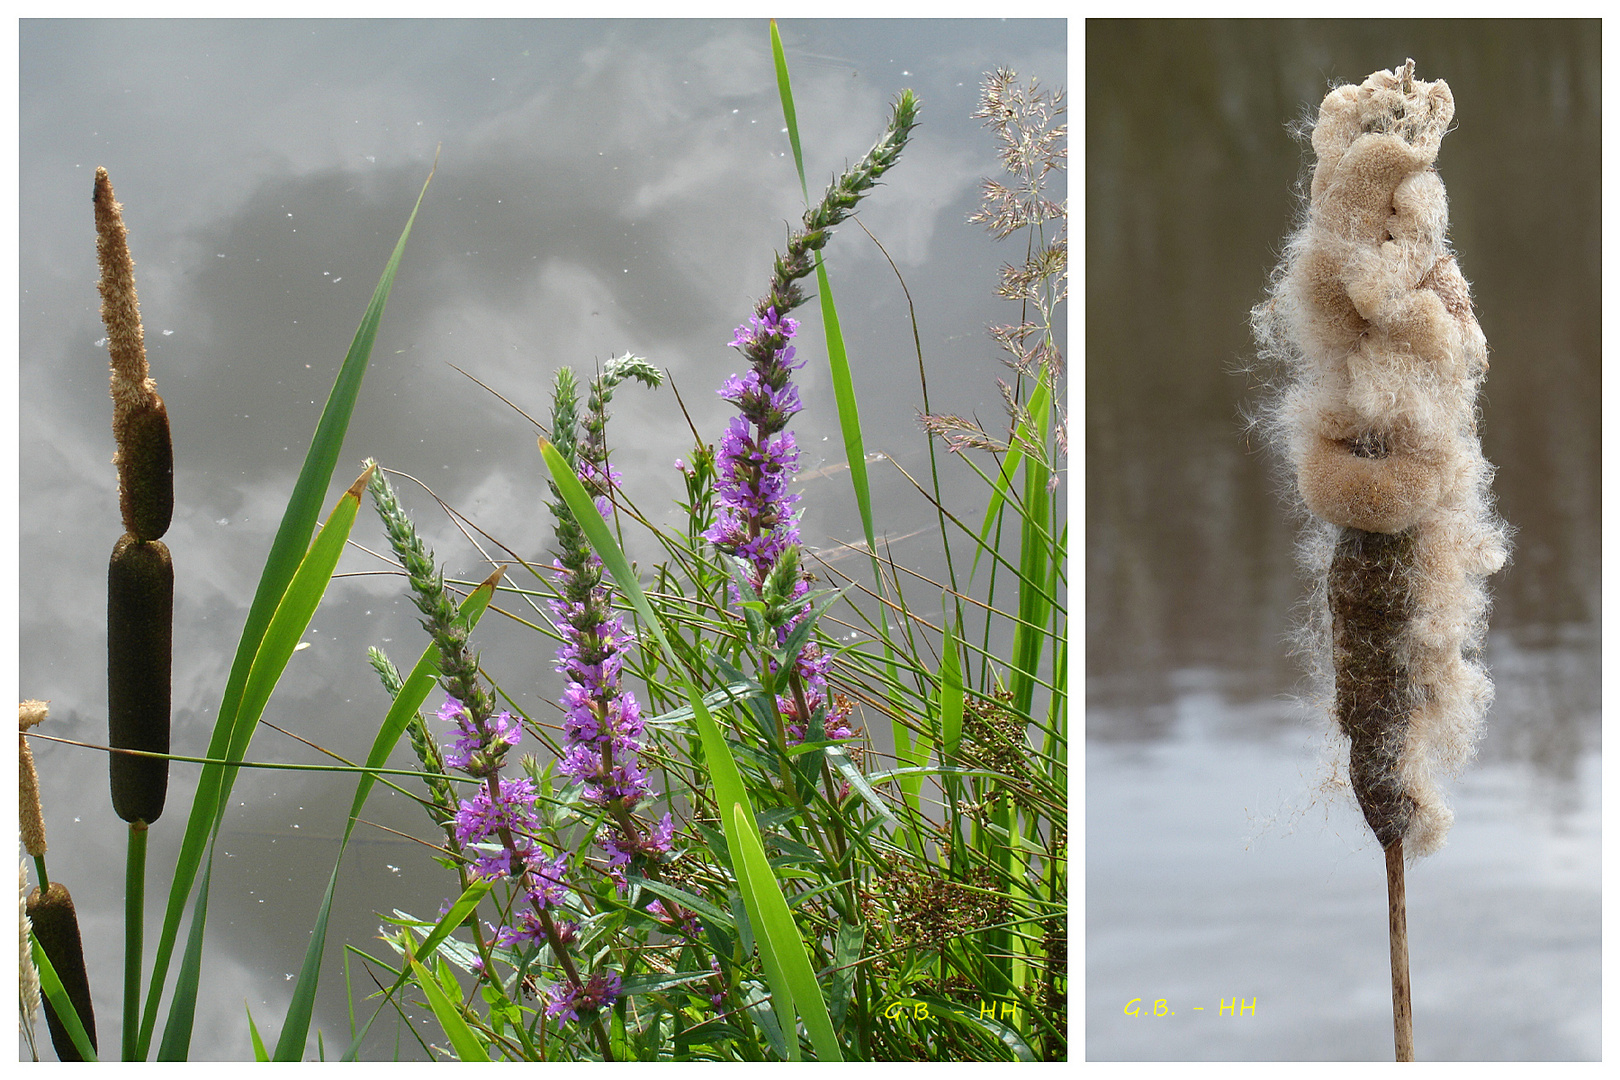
(134,923)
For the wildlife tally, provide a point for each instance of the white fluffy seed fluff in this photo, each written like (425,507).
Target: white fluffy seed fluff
(1381,359)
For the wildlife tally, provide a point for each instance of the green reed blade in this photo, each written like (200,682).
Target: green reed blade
(1040,403)
(784,87)
(950,695)
(259,1052)
(1035,565)
(779,936)
(286,552)
(783,1033)
(452,918)
(183,1008)
(466,1044)
(849,414)
(280,640)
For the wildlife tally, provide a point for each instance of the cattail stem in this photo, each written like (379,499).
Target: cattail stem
(134,918)
(1400,968)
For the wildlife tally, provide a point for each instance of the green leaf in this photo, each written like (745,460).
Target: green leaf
(995,1029)
(259,1052)
(286,554)
(786,963)
(784,87)
(731,692)
(452,918)
(656,981)
(1040,401)
(461,1037)
(712,916)
(858,782)
(846,953)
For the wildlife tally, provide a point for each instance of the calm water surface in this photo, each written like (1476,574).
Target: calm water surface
(1216,868)
(602,187)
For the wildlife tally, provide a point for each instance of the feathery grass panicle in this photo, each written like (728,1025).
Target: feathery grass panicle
(1033,145)
(27,972)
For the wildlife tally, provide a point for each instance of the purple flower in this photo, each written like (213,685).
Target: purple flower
(601,720)
(550,881)
(476,752)
(754,517)
(568,1000)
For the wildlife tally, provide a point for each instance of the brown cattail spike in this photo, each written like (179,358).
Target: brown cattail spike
(140,618)
(1370,598)
(145,461)
(56,928)
(145,457)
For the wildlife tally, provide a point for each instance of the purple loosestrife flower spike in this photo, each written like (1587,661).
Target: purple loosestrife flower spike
(601,721)
(754,518)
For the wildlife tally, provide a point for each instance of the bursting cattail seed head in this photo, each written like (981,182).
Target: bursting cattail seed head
(1372,324)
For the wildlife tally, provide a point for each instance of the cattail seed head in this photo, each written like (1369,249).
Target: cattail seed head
(1373,325)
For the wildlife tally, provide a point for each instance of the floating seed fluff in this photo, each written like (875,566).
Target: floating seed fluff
(1372,324)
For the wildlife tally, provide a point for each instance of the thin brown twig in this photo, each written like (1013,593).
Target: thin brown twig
(1400,968)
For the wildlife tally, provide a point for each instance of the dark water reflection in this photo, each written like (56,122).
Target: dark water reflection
(1190,180)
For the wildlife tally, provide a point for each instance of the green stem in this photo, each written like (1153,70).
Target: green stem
(134,920)
(44,879)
